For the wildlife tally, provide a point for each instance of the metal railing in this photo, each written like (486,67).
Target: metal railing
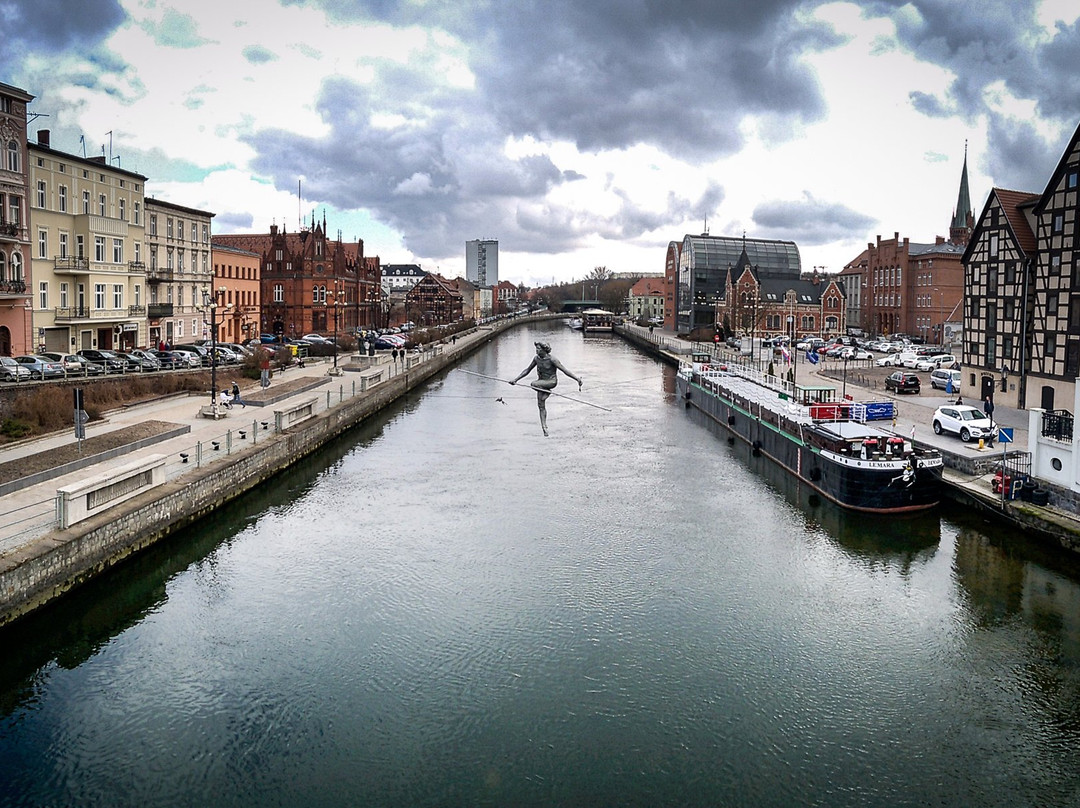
(1057,424)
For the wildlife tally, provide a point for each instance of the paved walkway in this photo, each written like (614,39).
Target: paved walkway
(30,513)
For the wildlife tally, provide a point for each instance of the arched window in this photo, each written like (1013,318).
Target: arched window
(314,294)
(13,162)
(3,266)
(16,266)
(322,294)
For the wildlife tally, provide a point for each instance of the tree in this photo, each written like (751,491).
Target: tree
(599,274)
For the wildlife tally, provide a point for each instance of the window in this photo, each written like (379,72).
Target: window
(180,328)
(179,260)
(118,296)
(138,252)
(153,257)
(1072,358)
(99,295)
(43,295)
(205,234)
(279,293)
(993,246)
(80,251)
(314,294)
(134,212)
(101,204)
(63,245)
(153,224)
(1070,179)
(13,161)
(14,209)
(3,266)
(169,259)
(123,209)
(63,294)
(180,229)
(85,201)
(138,295)
(194,232)
(118,250)
(168,227)
(1050,346)
(43,243)
(41,193)
(61,198)
(99,248)
(1059,222)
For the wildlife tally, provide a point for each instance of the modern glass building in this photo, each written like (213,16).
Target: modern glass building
(703,270)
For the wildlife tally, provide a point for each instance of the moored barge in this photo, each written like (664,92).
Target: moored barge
(831,445)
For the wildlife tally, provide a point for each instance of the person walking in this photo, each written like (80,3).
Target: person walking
(393,355)
(236,395)
(988,408)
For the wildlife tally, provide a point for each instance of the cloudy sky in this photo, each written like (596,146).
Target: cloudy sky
(578,133)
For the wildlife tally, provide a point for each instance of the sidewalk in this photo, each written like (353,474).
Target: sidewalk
(28,514)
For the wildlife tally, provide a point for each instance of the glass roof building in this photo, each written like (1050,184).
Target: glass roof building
(703,270)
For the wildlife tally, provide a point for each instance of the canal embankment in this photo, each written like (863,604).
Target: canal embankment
(969,470)
(37,569)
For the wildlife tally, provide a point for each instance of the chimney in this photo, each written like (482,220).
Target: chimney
(43,137)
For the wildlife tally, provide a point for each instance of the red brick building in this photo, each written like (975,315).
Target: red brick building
(504,297)
(306,275)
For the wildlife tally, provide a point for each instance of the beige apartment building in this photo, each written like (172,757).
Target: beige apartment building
(179,272)
(86,243)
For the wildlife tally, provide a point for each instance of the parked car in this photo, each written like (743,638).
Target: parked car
(908,359)
(850,353)
(41,367)
(201,351)
(890,360)
(188,359)
(935,361)
(107,360)
(12,371)
(317,338)
(168,359)
(939,379)
(75,365)
(966,421)
(140,363)
(149,357)
(903,382)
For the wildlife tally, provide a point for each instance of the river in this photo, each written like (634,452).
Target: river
(447,608)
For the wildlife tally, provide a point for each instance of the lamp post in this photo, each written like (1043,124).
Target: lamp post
(210,301)
(334,294)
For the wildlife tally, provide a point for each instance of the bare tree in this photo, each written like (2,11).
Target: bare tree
(599,274)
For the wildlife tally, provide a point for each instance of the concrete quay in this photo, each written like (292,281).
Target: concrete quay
(969,468)
(208,461)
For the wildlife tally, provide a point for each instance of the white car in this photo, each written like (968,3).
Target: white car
(888,361)
(855,353)
(935,361)
(316,338)
(966,421)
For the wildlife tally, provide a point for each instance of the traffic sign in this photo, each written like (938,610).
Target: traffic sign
(1005,434)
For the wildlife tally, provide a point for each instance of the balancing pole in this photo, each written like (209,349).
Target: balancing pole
(537,389)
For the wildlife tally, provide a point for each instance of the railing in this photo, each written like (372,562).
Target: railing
(136,266)
(159,310)
(13,287)
(71,264)
(68,313)
(136,311)
(159,274)
(11,230)
(1058,424)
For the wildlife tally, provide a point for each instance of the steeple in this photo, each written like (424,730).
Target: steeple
(963,219)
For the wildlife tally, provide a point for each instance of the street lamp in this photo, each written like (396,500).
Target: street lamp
(210,301)
(334,294)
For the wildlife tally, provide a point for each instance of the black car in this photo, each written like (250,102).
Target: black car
(106,359)
(903,381)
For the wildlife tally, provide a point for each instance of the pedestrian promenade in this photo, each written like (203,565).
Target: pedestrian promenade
(28,514)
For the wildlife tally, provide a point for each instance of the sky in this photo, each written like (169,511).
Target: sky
(578,134)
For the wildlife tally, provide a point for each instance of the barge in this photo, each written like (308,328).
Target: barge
(831,445)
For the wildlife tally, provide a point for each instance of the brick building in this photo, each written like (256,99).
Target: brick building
(433,301)
(306,276)
(16,284)
(237,272)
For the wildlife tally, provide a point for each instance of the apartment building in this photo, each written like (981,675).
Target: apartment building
(86,233)
(179,274)
(16,304)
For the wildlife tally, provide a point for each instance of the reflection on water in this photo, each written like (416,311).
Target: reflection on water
(446,608)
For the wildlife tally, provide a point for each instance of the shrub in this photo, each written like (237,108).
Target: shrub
(15,428)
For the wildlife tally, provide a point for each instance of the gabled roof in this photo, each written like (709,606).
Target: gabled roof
(773,290)
(1012,205)
(648,287)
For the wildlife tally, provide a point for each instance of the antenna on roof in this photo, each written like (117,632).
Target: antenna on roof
(299,204)
(82,140)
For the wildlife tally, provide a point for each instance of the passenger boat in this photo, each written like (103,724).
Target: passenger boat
(597,320)
(574,323)
(831,445)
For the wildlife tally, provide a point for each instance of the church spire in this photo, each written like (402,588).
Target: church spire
(963,217)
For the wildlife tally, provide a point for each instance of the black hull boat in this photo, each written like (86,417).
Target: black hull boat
(830,445)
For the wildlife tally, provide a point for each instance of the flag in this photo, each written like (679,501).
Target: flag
(786,353)
(812,357)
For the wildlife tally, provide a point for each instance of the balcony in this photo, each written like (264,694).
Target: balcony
(159,275)
(71,266)
(136,266)
(158,310)
(17,287)
(136,311)
(78,314)
(12,232)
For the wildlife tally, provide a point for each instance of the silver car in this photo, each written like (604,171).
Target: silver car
(12,371)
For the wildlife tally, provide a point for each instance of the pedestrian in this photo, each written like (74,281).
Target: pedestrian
(988,408)
(959,400)
(224,400)
(453,339)
(393,355)
(236,395)
(264,368)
